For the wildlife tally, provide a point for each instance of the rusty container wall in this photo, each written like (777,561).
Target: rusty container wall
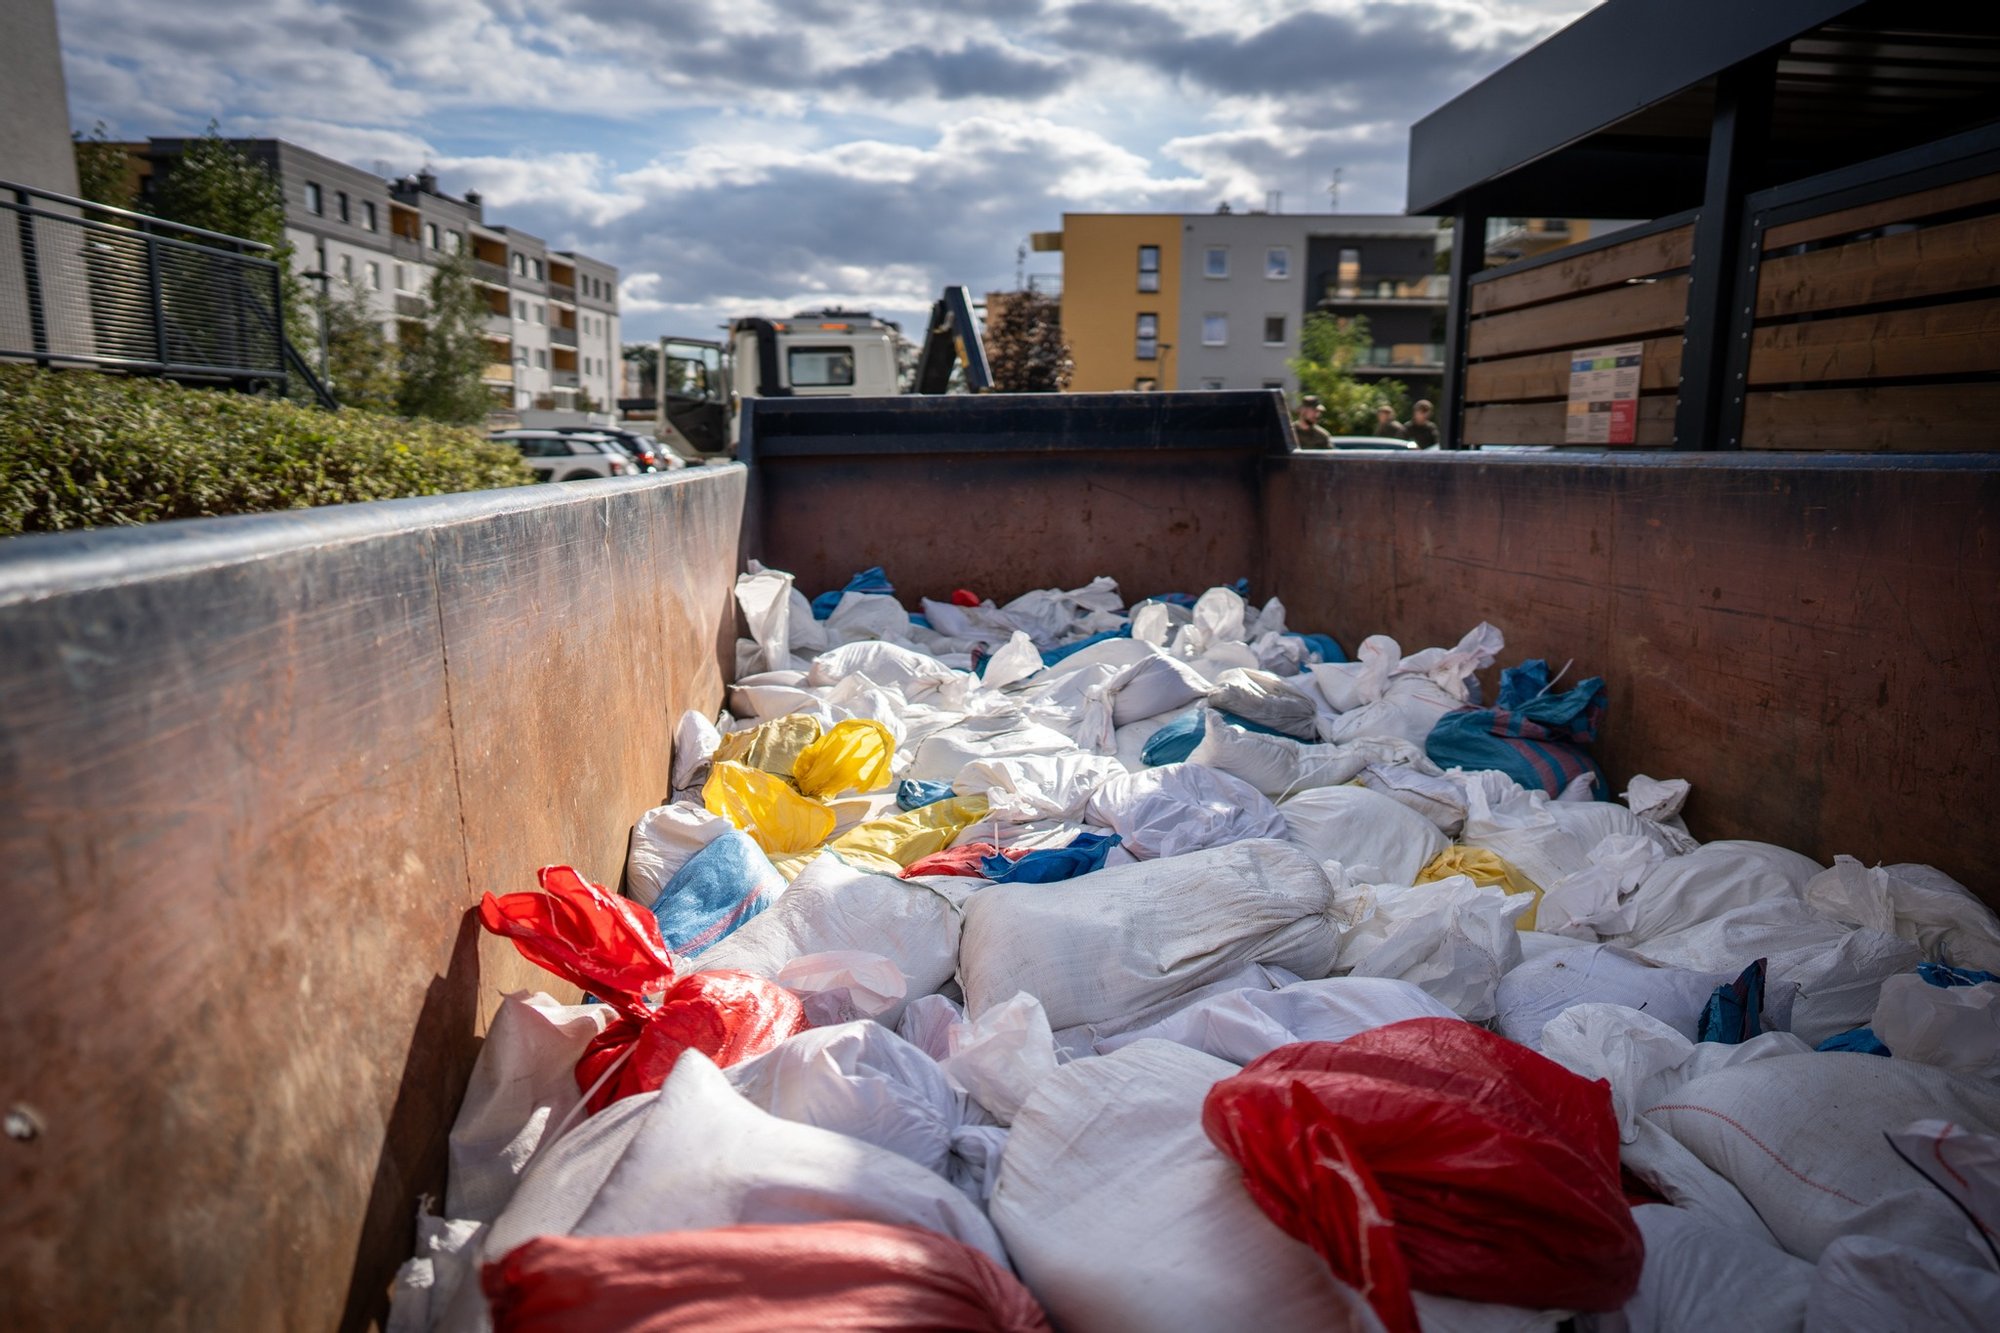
(254,775)
(1001,494)
(1810,641)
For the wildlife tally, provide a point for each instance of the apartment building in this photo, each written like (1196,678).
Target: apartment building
(1217,300)
(552,322)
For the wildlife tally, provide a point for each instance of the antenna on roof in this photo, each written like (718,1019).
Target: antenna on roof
(1333,189)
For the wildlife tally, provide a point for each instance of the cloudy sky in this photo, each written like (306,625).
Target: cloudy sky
(760,156)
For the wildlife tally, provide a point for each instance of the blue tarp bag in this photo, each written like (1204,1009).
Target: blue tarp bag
(1173,743)
(1051,865)
(1534,737)
(1735,1013)
(871,579)
(715,891)
(915,794)
(1323,647)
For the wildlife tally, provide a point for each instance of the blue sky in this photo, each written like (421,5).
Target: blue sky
(760,156)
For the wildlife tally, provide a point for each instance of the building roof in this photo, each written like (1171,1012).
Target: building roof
(1611,116)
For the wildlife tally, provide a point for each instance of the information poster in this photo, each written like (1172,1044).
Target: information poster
(1604,395)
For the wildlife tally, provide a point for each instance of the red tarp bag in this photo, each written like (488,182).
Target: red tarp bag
(1433,1154)
(751,1279)
(611,947)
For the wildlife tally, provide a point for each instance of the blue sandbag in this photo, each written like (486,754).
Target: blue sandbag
(871,579)
(1323,647)
(1173,743)
(715,891)
(1533,737)
(1050,865)
(1945,977)
(915,794)
(1861,1041)
(1735,1013)
(1051,656)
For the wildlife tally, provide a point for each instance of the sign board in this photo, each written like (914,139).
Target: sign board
(1604,395)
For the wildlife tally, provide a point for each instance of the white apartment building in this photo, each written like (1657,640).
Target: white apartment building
(552,327)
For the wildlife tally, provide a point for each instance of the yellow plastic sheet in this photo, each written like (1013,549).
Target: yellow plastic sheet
(1484,867)
(885,846)
(855,756)
(774,746)
(778,819)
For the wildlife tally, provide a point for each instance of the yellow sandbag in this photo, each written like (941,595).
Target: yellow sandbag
(778,819)
(854,756)
(1484,867)
(885,846)
(772,747)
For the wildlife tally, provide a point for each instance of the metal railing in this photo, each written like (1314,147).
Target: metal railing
(561,337)
(562,291)
(85,284)
(488,271)
(1431,287)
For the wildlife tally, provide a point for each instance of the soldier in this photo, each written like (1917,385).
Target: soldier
(1307,433)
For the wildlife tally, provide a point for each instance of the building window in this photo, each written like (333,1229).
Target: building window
(402,277)
(1145,384)
(431,235)
(521,358)
(340,206)
(521,310)
(314,204)
(1148,344)
(1214,330)
(1347,277)
(374,276)
(367,216)
(1211,385)
(1149,268)
(347,268)
(521,265)
(319,258)
(1278,262)
(1274,330)
(1215,262)
(541,314)
(541,360)
(453,242)
(538,269)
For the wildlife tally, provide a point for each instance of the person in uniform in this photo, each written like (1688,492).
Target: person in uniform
(1421,428)
(1386,425)
(1307,433)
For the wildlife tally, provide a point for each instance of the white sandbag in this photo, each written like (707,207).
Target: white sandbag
(1129,741)
(999,1058)
(1518,826)
(1801,1137)
(765,598)
(1409,707)
(1452,937)
(926,1024)
(761,702)
(844,984)
(696,1154)
(832,906)
(1079,1041)
(662,841)
(1701,1276)
(1121,1215)
(1121,945)
(1740,936)
(1961,1162)
(695,742)
(1535,992)
(1180,808)
(1156,684)
(974,1166)
(1833,987)
(1279,765)
(523,1083)
(428,1282)
(1865,1285)
(1018,791)
(1241,1025)
(943,754)
(858,1079)
(1219,617)
(1017,660)
(1419,788)
(1952,1027)
(1379,661)
(1599,901)
(808,633)
(1916,902)
(1053,616)
(1373,837)
(867,615)
(1713,879)
(1590,821)
(886,664)
(1260,697)
(1658,802)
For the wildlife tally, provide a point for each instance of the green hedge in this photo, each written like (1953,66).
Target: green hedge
(80,450)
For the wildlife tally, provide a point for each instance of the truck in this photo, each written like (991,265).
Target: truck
(259,771)
(829,353)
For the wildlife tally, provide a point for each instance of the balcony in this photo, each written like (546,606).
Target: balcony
(489,272)
(498,372)
(561,337)
(406,247)
(562,291)
(563,379)
(1430,289)
(411,307)
(1402,356)
(499,326)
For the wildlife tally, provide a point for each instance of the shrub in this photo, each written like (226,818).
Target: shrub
(80,450)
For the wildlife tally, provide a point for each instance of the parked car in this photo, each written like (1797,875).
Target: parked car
(650,454)
(569,455)
(1372,442)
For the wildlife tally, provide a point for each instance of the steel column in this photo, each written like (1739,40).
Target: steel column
(31,277)
(1468,256)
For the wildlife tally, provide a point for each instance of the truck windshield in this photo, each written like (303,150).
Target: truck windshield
(809,367)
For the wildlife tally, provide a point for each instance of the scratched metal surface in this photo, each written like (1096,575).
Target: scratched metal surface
(254,775)
(1812,643)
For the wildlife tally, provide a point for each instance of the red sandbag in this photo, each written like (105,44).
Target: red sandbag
(959,860)
(1490,1168)
(611,947)
(727,1016)
(751,1279)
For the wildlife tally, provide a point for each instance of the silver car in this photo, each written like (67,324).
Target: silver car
(561,456)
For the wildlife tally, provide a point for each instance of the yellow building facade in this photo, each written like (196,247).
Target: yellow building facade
(1120,297)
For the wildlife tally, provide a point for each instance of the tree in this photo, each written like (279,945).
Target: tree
(1329,349)
(645,357)
(583,402)
(444,365)
(361,362)
(1025,345)
(103,169)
